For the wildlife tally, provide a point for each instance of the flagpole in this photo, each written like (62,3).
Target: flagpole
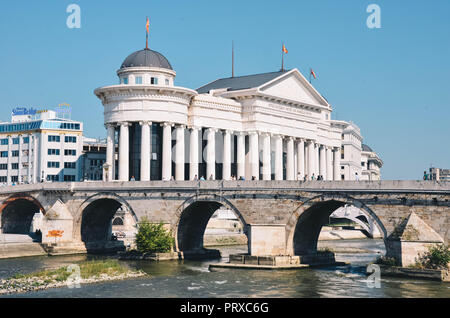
(146,36)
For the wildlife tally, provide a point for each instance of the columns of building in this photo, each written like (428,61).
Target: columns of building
(226,160)
(300,159)
(193,153)
(167,151)
(110,150)
(329,165)
(322,164)
(254,154)
(179,153)
(124,152)
(336,163)
(290,159)
(278,157)
(311,159)
(145,150)
(211,153)
(29,136)
(266,168)
(240,155)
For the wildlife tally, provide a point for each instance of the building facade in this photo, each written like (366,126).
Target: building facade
(40,147)
(439,174)
(270,126)
(93,158)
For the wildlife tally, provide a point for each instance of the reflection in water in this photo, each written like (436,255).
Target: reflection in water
(193,279)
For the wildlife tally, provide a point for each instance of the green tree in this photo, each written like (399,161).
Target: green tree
(153,238)
(437,257)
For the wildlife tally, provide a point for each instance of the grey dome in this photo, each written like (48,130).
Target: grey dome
(366,148)
(148,58)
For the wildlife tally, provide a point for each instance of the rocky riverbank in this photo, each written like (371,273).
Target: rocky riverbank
(69,276)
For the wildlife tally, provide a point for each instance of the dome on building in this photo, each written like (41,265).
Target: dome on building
(146,58)
(366,148)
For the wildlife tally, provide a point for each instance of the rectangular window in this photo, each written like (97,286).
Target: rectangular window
(16,141)
(71,139)
(14,166)
(3,166)
(4,141)
(69,178)
(138,80)
(70,152)
(53,152)
(53,138)
(4,154)
(53,164)
(53,177)
(154,81)
(15,153)
(70,165)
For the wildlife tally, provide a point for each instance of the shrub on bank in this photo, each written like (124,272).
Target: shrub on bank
(153,238)
(437,257)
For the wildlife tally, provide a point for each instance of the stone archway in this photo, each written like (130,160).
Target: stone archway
(94,218)
(192,218)
(17,214)
(305,223)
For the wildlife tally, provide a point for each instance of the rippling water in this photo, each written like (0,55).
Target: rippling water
(193,279)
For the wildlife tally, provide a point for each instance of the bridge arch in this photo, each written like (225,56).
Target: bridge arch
(17,213)
(192,217)
(305,223)
(95,214)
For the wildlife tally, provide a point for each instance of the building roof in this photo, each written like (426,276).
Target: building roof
(366,148)
(147,58)
(240,82)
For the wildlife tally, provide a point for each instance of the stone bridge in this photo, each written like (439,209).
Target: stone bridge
(280,217)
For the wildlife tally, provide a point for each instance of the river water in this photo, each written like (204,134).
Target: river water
(193,278)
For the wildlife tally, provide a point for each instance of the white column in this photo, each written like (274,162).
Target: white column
(300,159)
(29,158)
(145,150)
(290,159)
(193,153)
(226,162)
(323,162)
(179,153)
(8,162)
(278,157)
(267,169)
(35,163)
(124,152)
(311,159)
(110,151)
(336,163)
(240,155)
(329,165)
(167,151)
(254,154)
(211,154)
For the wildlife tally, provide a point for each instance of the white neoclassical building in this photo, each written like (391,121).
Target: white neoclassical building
(271,126)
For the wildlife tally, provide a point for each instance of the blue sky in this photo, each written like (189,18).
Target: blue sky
(393,82)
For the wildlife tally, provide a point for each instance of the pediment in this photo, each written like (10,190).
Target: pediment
(293,86)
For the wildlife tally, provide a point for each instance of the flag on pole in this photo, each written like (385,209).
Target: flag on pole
(284,49)
(313,74)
